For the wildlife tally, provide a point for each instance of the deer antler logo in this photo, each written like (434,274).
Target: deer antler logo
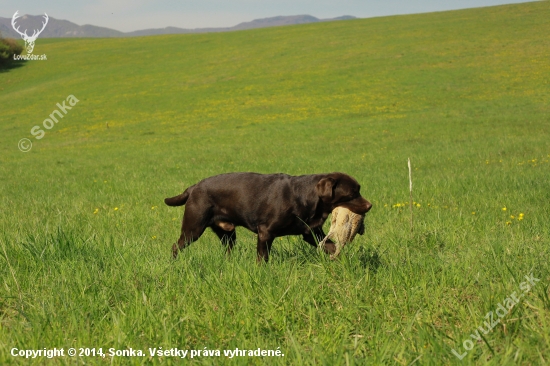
(29,41)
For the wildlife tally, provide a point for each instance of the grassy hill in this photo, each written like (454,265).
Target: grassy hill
(85,238)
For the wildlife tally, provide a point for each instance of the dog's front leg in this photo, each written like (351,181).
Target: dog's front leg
(265,240)
(313,238)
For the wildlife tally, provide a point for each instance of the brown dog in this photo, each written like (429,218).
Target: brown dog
(270,205)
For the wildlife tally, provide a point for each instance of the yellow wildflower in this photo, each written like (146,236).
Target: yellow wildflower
(116,208)
(504,209)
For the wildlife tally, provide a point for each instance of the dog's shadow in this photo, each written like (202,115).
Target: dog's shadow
(293,249)
(369,258)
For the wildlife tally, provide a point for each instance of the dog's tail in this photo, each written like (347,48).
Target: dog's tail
(178,200)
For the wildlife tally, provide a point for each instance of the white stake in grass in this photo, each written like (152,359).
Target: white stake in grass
(411,194)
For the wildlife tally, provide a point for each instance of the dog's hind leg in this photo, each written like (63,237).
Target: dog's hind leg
(194,223)
(186,238)
(227,237)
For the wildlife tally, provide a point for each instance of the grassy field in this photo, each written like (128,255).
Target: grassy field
(85,237)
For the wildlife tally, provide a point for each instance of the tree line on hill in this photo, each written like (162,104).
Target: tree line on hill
(8,48)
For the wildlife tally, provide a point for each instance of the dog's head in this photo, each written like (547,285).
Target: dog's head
(341,190)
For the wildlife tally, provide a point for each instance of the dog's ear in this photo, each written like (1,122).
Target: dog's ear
(340,191)
(325,189)
(344,190)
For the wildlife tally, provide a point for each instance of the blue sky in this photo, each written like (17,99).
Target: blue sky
(129,15)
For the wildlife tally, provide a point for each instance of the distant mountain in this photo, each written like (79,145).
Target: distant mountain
(57,28)
(277,21)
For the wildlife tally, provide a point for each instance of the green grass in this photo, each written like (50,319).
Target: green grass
(464,94)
